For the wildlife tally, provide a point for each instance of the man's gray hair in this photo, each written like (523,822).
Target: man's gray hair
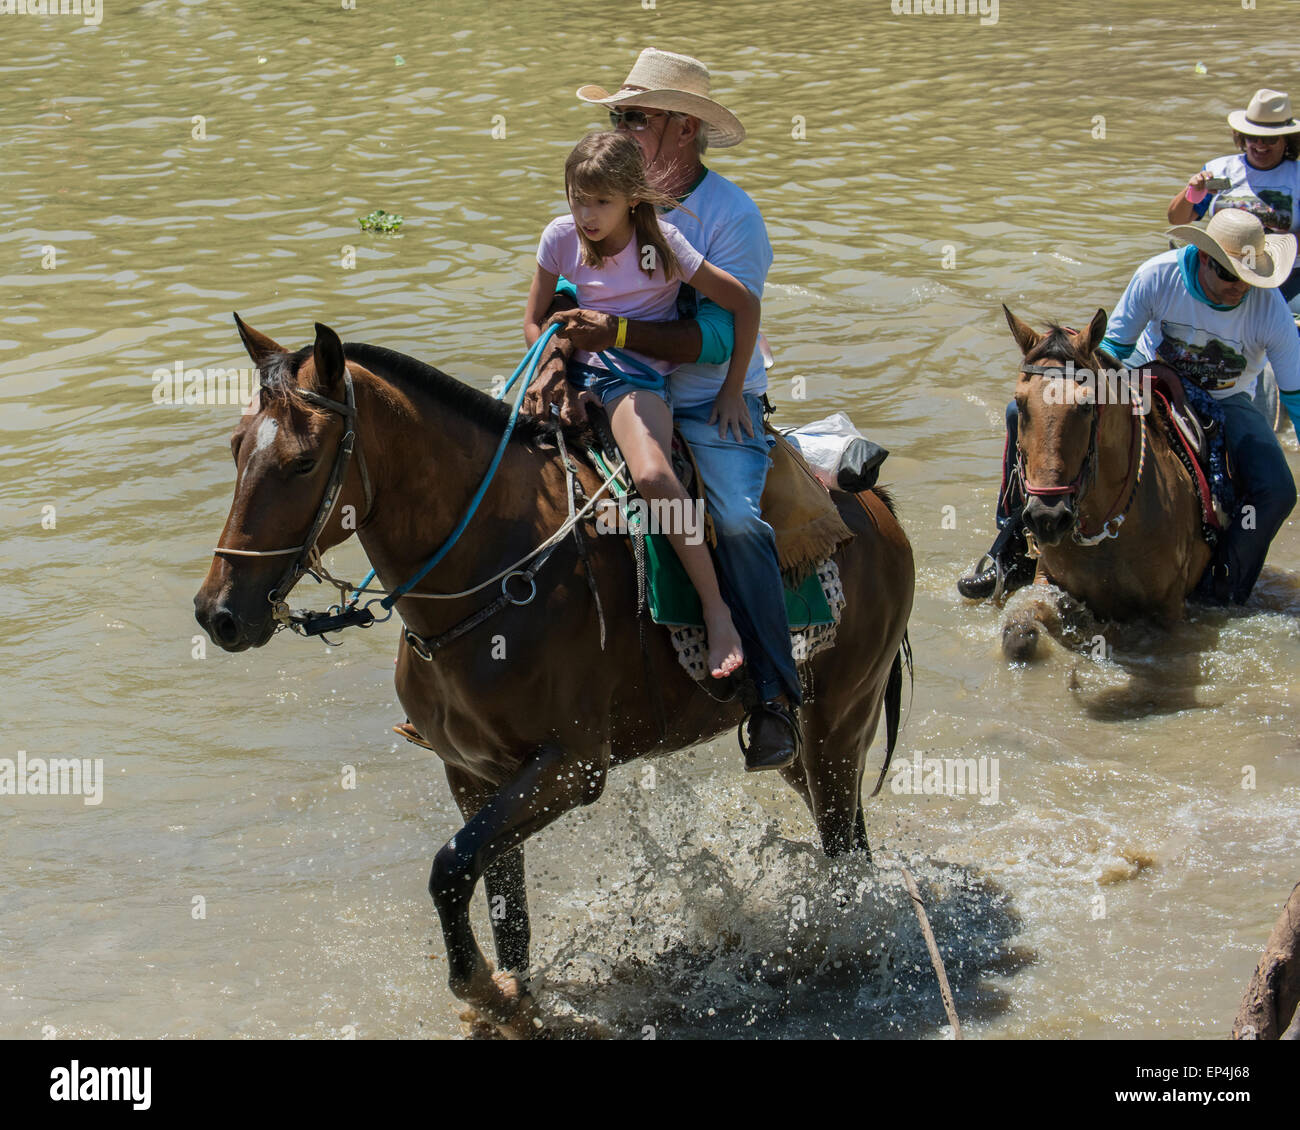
(701,137)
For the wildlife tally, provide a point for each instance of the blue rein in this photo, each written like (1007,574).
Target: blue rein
(643,377)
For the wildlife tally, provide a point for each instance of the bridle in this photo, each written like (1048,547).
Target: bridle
(1087,476)
(307,560)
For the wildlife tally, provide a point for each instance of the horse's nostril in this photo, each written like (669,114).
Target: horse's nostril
(224,628)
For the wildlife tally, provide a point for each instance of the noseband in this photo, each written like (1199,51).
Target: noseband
(307,556)
(1087,475)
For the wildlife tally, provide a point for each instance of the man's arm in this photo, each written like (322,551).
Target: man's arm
(593,331)
(1130,318)
(1283,352)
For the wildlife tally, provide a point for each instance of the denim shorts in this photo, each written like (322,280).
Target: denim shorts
(607,386)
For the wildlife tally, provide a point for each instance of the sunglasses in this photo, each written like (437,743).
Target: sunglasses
(634,120)
(1271,139)
(1222,271)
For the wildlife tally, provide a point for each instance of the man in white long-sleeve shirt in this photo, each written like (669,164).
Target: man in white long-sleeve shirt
(1212,312)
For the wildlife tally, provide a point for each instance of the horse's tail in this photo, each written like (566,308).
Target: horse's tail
(894,703)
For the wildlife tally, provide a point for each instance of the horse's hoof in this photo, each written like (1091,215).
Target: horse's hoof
(500,1000)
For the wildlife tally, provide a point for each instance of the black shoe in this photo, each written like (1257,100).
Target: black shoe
(1005,568)
(775,737)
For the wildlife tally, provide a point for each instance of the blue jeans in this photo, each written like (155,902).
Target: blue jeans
(1266,491)
(748,574)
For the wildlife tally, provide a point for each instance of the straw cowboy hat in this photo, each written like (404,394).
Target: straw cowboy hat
(1235,239)
(1268,115)
(678,83)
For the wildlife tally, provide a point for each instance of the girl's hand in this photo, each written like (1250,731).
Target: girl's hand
(1198,181)
(731,412)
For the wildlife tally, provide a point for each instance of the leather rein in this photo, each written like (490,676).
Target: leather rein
(348,613)
(1087,476)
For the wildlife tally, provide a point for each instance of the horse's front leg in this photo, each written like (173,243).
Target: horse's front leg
(507,891)
(545,788)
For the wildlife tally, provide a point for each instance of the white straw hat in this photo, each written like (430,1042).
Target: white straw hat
(1268,115)
(1235,239)
(678,83)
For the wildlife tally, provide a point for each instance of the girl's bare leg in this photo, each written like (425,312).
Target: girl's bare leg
(643,426)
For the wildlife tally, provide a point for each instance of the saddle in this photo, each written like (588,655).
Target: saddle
(808,530)
(805,520)
(1197,439)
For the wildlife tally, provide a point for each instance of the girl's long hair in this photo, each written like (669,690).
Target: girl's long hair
(609,164)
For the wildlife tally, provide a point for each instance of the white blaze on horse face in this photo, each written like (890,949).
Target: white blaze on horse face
(266,434)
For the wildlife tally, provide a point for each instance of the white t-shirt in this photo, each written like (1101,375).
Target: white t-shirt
(1223,351)
(618,285)
(728,228)
(1271,194)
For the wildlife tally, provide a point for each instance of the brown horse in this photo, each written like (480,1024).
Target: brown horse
(1115,516)
(530,736)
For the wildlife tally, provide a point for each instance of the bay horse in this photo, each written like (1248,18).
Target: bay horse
(529,712)
(1115,516)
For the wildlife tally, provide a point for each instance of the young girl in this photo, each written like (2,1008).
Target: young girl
(624,260)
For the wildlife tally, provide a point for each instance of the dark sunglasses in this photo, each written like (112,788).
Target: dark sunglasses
(634,120)
(1222,271)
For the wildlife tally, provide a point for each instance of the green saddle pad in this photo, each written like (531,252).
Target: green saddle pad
(674,601)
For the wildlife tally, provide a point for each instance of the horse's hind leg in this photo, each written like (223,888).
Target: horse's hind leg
(504,881)
(544,789)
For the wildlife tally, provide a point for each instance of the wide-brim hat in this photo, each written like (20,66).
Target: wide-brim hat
(662,80)
(1236,239)
(1268,115)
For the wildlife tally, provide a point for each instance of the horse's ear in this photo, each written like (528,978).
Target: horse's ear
(328,360)
(1026,337)
(1088,341)
(260,347)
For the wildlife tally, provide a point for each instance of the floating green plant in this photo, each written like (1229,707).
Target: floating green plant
(381,221)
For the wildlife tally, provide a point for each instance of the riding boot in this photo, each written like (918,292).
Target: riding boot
(1005,568)
(775,736)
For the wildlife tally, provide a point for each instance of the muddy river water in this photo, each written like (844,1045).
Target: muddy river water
(180,160)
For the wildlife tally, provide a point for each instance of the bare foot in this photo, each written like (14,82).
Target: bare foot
(725,652)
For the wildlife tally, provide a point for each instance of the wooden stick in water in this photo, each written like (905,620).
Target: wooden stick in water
(945,991)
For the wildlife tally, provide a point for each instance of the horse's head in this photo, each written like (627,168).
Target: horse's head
(296,485)
(1058,422)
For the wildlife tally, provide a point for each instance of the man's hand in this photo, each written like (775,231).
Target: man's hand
(588,329)
(731,412)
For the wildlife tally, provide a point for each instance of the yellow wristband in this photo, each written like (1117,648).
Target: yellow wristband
(621,340)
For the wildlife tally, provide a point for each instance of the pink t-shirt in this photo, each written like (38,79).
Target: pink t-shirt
(619,285)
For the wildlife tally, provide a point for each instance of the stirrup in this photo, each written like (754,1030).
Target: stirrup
(787,715)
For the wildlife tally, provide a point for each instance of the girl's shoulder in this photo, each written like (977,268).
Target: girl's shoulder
(561,225)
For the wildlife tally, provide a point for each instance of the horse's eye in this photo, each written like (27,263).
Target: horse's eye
(304,466)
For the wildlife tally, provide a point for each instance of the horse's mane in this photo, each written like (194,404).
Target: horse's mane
(279,379)
(1056,346)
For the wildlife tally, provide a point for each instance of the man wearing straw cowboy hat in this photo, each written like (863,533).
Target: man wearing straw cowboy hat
(1211,311)
(665,104)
